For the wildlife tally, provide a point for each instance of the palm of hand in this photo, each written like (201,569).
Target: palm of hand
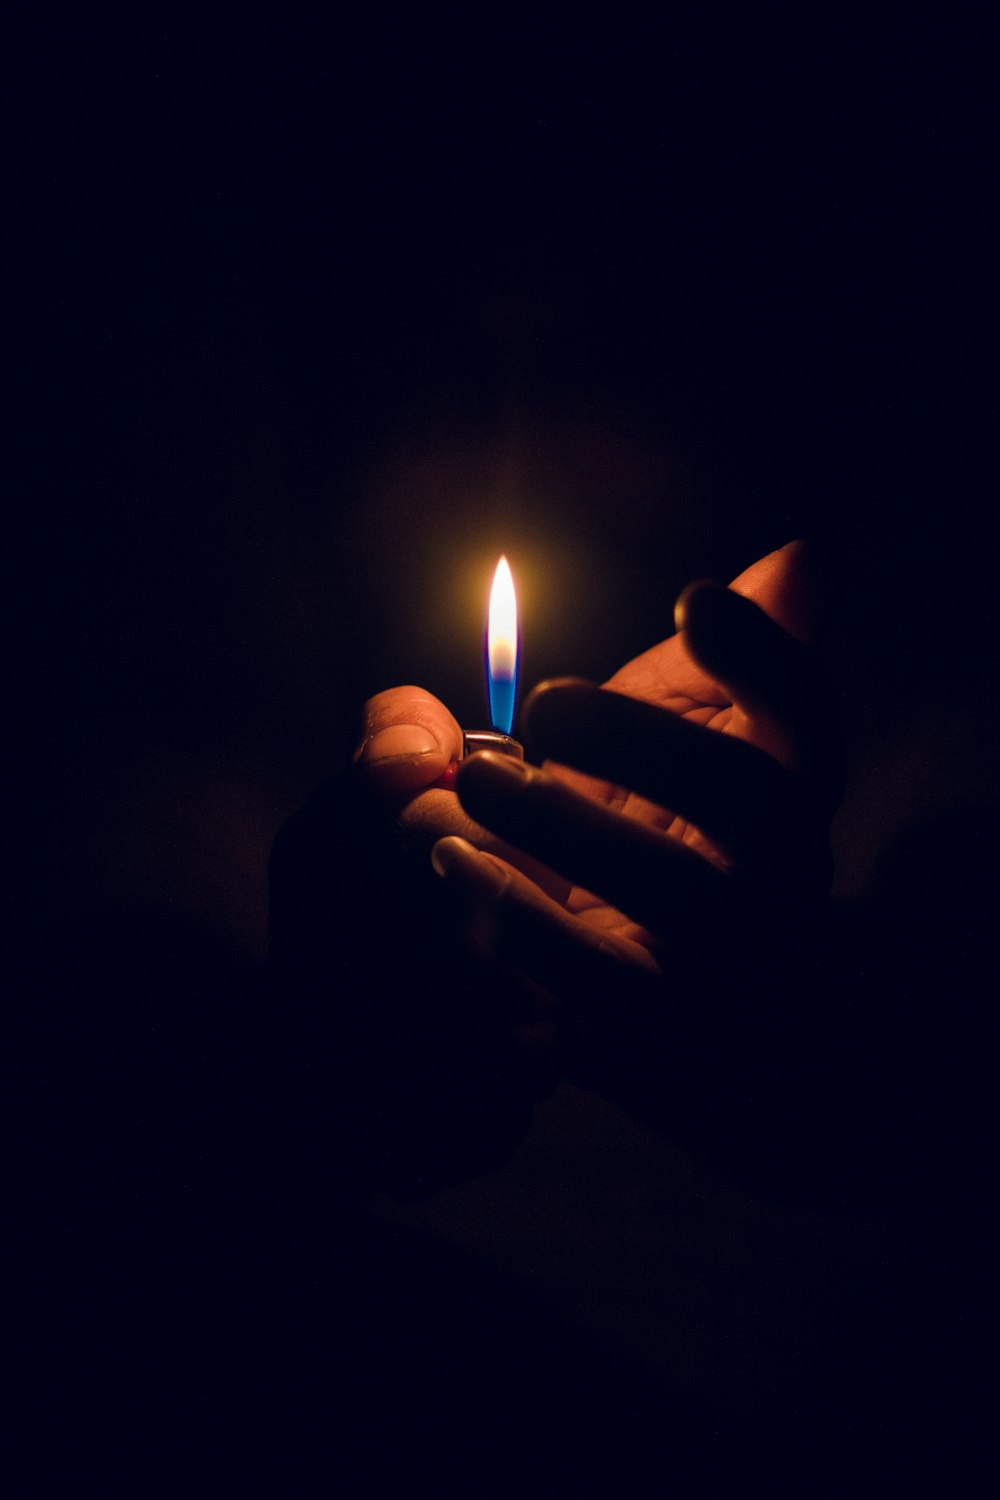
(780,833)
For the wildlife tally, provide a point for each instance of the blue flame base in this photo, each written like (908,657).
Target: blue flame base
(502,692)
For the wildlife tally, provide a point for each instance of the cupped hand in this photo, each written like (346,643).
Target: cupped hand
(687,806)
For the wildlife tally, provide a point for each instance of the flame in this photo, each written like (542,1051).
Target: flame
(501,649)
(501,636)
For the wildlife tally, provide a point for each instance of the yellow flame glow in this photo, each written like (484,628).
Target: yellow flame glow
(501,633)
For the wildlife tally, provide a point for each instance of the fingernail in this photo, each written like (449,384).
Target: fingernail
(516,773)
(398,742)
(701,588)
(722,629)
(455,856)
(449,853)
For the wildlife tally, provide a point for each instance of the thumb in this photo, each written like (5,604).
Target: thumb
(408,739)
(787,585)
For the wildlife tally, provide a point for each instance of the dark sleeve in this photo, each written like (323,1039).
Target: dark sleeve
(398,1041)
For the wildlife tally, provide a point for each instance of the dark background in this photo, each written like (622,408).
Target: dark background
(312,321)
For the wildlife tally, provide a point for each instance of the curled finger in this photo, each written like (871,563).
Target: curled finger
(516,922)
(636,869)
(735,793)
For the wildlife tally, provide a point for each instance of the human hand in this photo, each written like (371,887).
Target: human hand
(406,762)
(418,1064)
(693,832)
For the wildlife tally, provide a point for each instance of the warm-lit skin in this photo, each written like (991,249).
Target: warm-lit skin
(635,875)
